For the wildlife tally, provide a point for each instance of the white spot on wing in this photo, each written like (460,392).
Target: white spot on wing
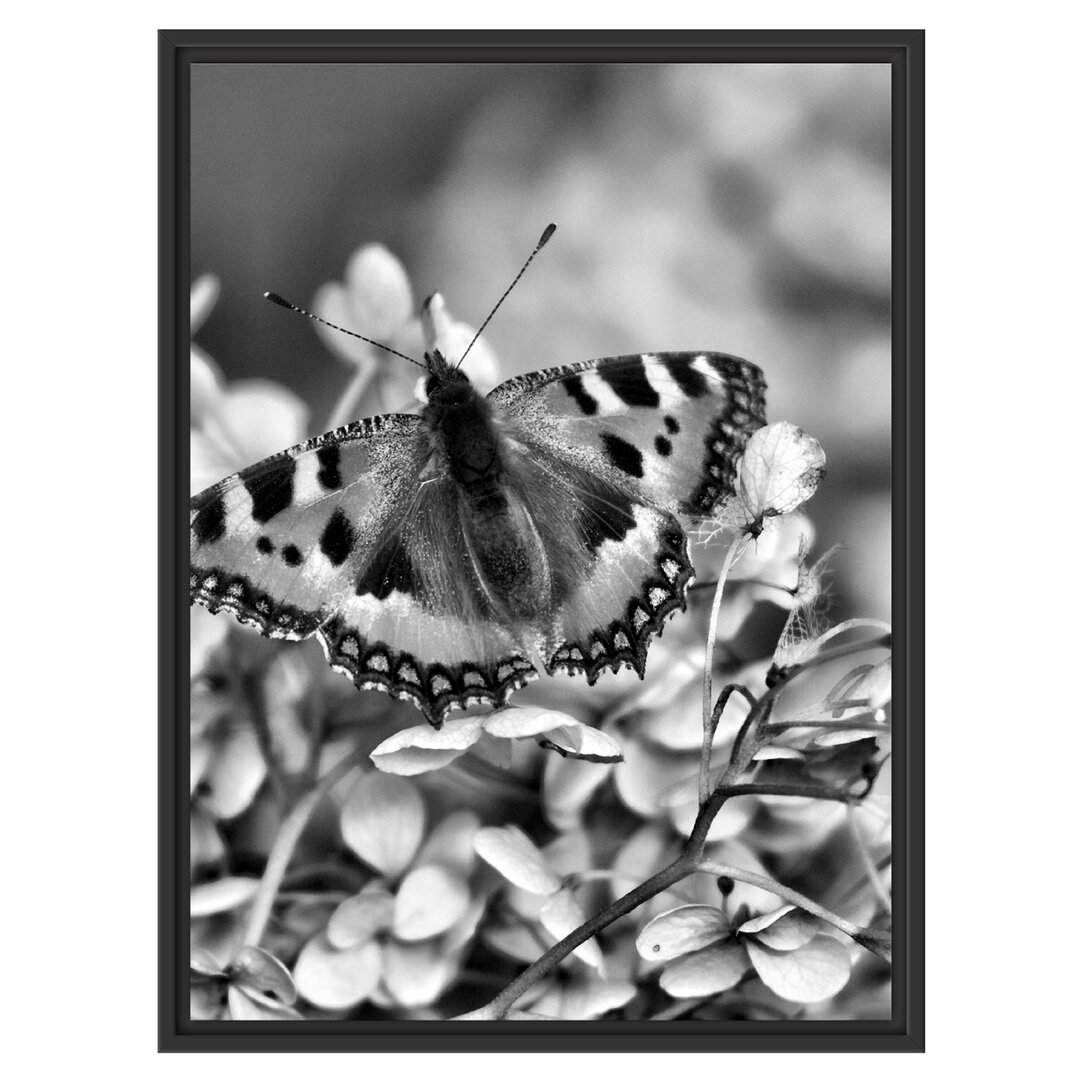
(306,486)
(609,402)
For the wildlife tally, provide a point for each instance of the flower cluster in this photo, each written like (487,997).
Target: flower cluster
(348,861)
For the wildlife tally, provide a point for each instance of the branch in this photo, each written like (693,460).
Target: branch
(499,1006)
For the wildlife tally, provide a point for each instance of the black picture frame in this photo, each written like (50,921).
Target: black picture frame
(904,51)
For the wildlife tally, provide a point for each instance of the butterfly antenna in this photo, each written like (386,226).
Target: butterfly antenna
(539,244)
(282,302)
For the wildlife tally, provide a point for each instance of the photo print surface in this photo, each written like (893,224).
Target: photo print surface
(542,673)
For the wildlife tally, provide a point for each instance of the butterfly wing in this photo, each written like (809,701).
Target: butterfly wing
(669,427)
(612,453)
(343,537)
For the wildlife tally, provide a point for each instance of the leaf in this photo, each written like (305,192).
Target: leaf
(562,914)
(682,930)
(359,918)
(780,469)
(337,978)
(786,928)
(710,971)
(257,970)
(423,748)
(517,858)
(430,900)
(812,973)
(383,822)
(225,894)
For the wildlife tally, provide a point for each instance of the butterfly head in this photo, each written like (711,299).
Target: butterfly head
(446,383)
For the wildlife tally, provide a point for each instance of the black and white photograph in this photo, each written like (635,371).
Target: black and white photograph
(542,513)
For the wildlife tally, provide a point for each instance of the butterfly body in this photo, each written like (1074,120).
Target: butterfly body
(444,557)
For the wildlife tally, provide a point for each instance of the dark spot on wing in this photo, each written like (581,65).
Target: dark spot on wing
(291,554)
(338,538)
(576,389)
(329,474)
(663,445)
(628,379)
(209,524)
(390,571)
(688,379)
(604,517)
(270,485)
(672,425)
(265,545)
(623,455)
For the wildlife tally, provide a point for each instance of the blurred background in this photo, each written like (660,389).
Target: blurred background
(739,208)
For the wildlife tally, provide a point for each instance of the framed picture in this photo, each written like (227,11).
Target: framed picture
(541,646)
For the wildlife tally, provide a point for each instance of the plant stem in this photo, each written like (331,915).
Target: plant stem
(737,547)
(285,843)
(348,402)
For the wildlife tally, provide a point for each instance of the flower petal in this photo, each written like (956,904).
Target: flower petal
(780,469)
(451,843)
(256,969)
(383,822)
(204,293)
(417,973)
(517,722)
(337,978)
(562,914)
(380,297)
(259,418)
(359,918)
(682,930)
(424,748)
(812,973)
(430,900)
(588,998)
(568,786)
(793,929)
(710,971)
(225,894)
(517,858)
(234,774)
(249,1005)
(583,743)
(733,817)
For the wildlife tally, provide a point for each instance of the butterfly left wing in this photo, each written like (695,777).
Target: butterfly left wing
(277,544)
(612,454)
(353,537)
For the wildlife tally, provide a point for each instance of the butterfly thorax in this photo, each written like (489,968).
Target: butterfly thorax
(502,538)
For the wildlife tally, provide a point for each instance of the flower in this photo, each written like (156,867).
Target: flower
(376,300)
(254,986)
(399,941)
(704,952)
(234,425)
(423,748)
(542,901)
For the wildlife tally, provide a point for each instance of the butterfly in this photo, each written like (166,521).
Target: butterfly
(441,557)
